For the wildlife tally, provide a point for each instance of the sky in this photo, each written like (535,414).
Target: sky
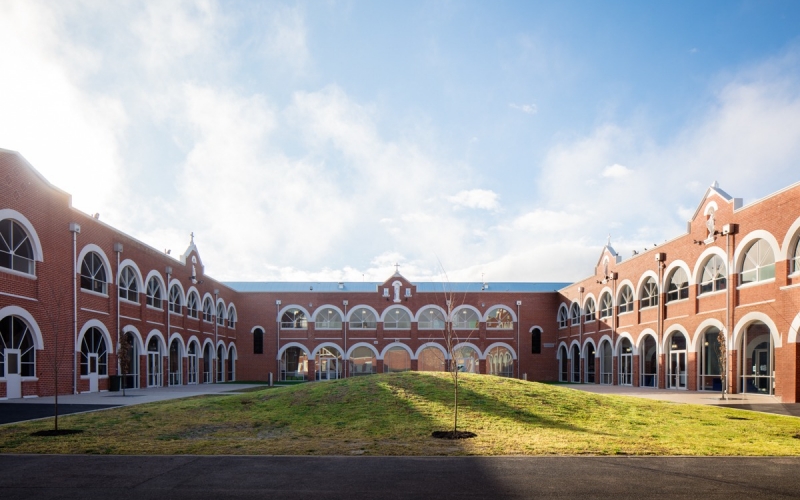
(468,141)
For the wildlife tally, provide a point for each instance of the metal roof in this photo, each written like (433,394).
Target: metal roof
(372,287)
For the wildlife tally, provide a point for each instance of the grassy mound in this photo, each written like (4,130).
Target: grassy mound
(396,414)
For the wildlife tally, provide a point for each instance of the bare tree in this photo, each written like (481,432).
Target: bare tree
(722,359)
(53,313)
(124,358)
(451,338)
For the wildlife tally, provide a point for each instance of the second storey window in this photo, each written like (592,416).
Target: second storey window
(606,305)
(192,305)
(128,286)
(93,273)
(16,251)
(626,300)
(175,300)
(649,294)
(678,285)
(154,293)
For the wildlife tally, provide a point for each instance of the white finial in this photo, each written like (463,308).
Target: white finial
(715,185)
(192,235)
(608,243)
(397,268)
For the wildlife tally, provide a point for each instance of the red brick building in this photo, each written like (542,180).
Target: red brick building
(73,289)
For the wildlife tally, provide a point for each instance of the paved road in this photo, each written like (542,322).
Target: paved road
(87,477)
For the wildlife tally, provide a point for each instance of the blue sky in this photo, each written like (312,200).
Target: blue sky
(329,140)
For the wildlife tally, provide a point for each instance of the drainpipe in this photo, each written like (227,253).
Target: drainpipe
(278,329)
(216,335)
(344,320)
(728,230)
(580,323)
(75,229)
(661,258)
(118,250)
(169,305)
(519,303)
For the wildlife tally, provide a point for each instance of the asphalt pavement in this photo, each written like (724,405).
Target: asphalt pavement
(178,477)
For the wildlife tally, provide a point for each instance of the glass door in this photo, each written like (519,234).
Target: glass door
(677,370)
(13,377)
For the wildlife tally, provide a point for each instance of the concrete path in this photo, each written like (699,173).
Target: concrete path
(753,402)
(88,477)
(19,410)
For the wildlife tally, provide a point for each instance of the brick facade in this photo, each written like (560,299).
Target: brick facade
(60,313)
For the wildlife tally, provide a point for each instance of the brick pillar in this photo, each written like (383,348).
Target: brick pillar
(414,365)
(482,366)
(379,367)
(312,370)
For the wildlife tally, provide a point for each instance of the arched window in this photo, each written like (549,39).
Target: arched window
(563,371)
(128,285)
(590,311)
(431,359)
(208,361)
(606,305)
(94,353)
(16,250)
(649,294)
(294,319)
(500,319)
(431,319)
(397,319)
(362,362)
(648,356)
(500,362)
(175,299)
(258,341)
(676,361)
(329,364)
(466,319)
(220,314)
(606,363)
(192,304)
(757,359)
(536,341)
(328,319)
(625,300)
(154,363)
(220,363)
(467,359)
(576,364)
(363,319)
(678,285)
(154,293)
(589,355)
(192,363)
(563,316)
(231,317)
(713,278)
(575,314)
(208,310)
(710,360)
(759,263)
(93,273)
(175,363)
(794,256)
(17,355)
(231,364)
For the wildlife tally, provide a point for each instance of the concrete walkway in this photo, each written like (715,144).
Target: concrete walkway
(753,402)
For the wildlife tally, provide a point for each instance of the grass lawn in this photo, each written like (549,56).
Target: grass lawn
(395,415)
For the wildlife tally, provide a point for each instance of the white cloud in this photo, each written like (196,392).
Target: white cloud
(616,170)
(530,109)
(476,198)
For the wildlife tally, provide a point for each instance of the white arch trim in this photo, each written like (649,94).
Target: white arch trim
(697,274)
(709,206)
(558,351)
(95,323)
(605,338)
(642,279)
(397,306)
(362,344)
(435,346)
(293,344)
(8,213)
(500,344)
(221,343)
(363,306)
(203,348)
(293,306)
(671,268)
(327,345)
(586,342)
(622,284)
(670,330)
(572,346)
(620,336)
(137,337)
(176,282)
(194,338)
(38,341)
(253,330)
(751,317)
(793,329)
(644,333)
(91,247)
(794,229)
(156,333)
(174,336)
(703,326)
(326,306)
(232,347)
(498,306)
(469,344)
(586,298)
(160,280)
(467,306)
(748,240)
(429,306)
(128,262)
(397,344)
